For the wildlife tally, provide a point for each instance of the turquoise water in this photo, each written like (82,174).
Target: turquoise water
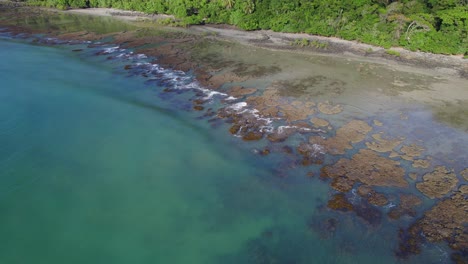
(98,167)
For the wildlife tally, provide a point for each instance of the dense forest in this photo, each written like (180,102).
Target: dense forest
(438,26)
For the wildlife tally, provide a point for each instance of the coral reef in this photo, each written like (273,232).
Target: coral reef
(340,203)
(406,206)
(353,132)
(446,221)
(368,168)
(438,183)
(329,109)
(383,145)
(372,196)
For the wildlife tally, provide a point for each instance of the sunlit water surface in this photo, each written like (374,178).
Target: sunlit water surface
(98,167)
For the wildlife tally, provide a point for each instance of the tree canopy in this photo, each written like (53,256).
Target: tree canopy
(437,26)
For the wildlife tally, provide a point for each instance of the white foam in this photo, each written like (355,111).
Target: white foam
(238,106)
(111,50)
(231,98)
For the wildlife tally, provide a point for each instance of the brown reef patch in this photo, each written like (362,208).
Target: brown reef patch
(383,145)
(411,152)
(329,109)
(311,153)
(406,206)
(368,168)
(464,174)
(271,104)
(377,123)
(239,91)
(353,132)
(340,203)
(438,183)
(446,221)
(422,163)
(372,196)
(318,122)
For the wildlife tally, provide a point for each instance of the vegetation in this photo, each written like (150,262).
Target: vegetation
(438,26)
(393,52)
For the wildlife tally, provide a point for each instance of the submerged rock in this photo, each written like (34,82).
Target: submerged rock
(406,206)
(311,153)
(353,132)
(253,135)
(421,163)
(324,228)
(446,221)
(371,215)
(464,174)
(383,145)
(239,91)
(372,196)
(368,168)
(320,122)
(377,123)
(329,109)
(411,152)
(438,183)
(340,203)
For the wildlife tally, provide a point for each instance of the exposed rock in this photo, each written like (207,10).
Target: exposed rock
(368,168)
(329,109)
(353,132)
(383,145)
(413,176)
(438,183)
(198,107)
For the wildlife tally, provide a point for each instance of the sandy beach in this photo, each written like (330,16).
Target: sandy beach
(454,65)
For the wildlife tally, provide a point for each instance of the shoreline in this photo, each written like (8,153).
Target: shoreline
(451,65)
(221,62)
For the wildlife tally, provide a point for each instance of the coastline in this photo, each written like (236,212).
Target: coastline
(452,65)
(286,98)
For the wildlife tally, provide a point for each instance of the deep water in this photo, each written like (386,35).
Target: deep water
(98,165)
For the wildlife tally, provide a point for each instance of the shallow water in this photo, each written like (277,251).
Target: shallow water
(100,164)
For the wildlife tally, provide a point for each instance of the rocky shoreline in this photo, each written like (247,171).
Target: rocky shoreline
(379,160)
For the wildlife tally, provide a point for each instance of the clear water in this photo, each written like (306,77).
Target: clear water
(98,167)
